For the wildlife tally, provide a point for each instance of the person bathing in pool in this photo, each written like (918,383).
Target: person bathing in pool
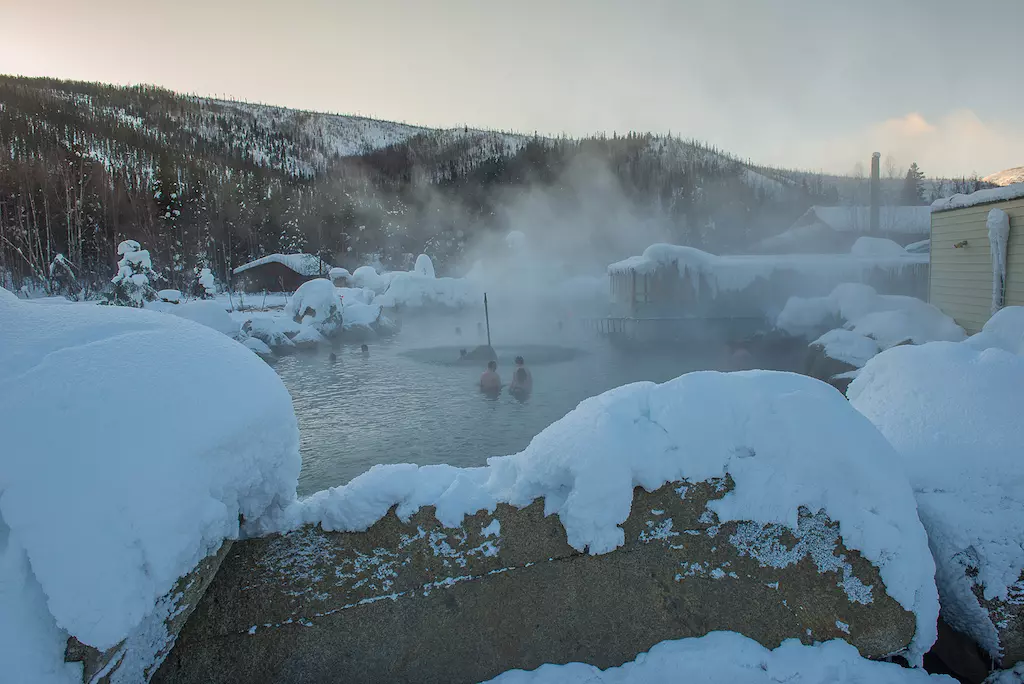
(490,381)
(522,381)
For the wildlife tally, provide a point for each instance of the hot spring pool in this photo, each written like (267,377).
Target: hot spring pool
(404,403)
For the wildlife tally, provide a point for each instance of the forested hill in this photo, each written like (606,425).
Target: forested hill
(204,182)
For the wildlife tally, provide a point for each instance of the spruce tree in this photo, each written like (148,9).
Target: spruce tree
(913,186)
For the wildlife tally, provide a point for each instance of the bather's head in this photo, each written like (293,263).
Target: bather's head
(363,348)
(492,365)
(520,361)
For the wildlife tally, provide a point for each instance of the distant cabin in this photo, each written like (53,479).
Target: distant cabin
(962,282)
(280,272)
(833,230)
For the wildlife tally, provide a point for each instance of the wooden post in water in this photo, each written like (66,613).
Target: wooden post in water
(487,318)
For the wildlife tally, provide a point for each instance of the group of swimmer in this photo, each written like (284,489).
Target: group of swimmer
(363,349)
(522,381)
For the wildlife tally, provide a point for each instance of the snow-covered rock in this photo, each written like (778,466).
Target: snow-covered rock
(110,492)
(356,295)
(424,266)
(169,296)
(730,658)
(1005,330)
(308,338)
(847,346)
(881,320)
(756,427)
(337,274)
(316,303)
(259,347)
(953,414)
(274,331)
(368,277)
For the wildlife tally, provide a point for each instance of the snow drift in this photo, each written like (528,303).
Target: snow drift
(730,658)
(787,441)
(128,457)
(953,414)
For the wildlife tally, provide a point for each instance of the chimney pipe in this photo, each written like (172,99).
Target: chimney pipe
(875,192)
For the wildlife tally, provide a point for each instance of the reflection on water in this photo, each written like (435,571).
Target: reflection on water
(394,406)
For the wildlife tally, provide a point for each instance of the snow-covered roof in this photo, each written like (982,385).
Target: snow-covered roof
(736,272)
(911,219)
(1007,192)
(303,264)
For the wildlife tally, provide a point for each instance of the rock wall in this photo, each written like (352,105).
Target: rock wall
(415,602)
(136,658)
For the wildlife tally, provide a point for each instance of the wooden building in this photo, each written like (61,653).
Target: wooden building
(966,280)
(280,272)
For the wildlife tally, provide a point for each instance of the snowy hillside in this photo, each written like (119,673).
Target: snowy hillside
(1006,176)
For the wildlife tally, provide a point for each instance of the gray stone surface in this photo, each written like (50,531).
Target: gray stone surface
(823,367)
(1008,617)
(415,602)
(136,658)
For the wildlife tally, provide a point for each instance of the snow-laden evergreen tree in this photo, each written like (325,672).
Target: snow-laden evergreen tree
(131,285)
(63,279)
(913,186)
(168,199)
(203,285)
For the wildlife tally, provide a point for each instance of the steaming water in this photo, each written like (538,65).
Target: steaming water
(400,404)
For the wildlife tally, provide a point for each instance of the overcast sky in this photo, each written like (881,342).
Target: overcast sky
(815,84)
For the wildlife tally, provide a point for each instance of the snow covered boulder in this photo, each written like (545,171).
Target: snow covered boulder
(111,492)
(746,502)
(837,353)
(273,331)
(367,276)
(259,347)
(860,323)
(339,276)
(206,312)
(169,296)
(316,303)
(953,414)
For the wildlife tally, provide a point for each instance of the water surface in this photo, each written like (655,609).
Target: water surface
(406,402)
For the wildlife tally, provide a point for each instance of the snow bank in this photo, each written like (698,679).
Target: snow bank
(738,272)
(424,266)
(206,312)
(1007,192)
(412,290)
(953,414)
(887,319)
(1005,330)
(793,432)
(876,247)
(998,224)
(731,658)
(114,491)
(316,303)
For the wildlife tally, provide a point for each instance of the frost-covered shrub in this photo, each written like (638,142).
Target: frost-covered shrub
(131,285)
(203,285)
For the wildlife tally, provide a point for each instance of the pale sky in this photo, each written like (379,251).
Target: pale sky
(816,84)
